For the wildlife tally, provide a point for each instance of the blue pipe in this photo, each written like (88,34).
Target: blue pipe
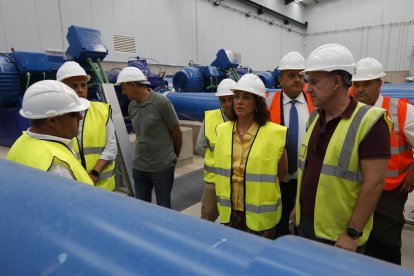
(399,90)
(53,225)
(191,106)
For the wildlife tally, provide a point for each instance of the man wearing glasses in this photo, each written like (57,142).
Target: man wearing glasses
(343,156)
(54,112)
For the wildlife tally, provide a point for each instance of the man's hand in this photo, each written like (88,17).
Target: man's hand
(346,242)
(94,178)
(408,184)
(293,216)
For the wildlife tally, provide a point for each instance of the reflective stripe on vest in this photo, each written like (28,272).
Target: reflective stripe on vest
(40,154)
(249,176)
(401,161)
(211,119)
(262,207)
(341,177)
(94,142)
(341,170)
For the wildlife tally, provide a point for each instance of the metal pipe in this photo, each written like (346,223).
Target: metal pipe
(54,225)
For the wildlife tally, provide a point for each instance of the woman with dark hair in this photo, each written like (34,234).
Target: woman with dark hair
(250,160)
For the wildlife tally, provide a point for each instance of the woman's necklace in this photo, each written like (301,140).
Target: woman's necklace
(242,131)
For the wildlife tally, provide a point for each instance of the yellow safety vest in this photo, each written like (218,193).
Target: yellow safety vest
(211,119)
(42,154)
(261,184)
(94,141)
(341,177)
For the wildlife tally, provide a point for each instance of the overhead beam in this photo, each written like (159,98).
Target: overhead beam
(287,2)
(262,9)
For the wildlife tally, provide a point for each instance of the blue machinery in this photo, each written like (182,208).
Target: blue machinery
(52,225)
(71,228)
(195,83)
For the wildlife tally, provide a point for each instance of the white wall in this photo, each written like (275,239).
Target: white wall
(381,29)
(177,31)
(171,31)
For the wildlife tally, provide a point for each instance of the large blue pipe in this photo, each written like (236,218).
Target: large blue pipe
(191,106)
(52,225)
(399,90)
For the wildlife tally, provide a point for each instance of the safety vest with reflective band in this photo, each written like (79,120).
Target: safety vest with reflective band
(262,201)
(41,154)
(402,160)
(94,141)
(275,104)
(341,177)
(211,119)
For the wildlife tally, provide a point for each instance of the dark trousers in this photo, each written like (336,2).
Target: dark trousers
(288,191)
(162,181)
(307,230)
(384,242)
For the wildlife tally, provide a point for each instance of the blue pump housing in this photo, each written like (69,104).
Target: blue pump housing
(267,78)
(225,59)
(9,81)
(189,79)
(156,82)
(85,43)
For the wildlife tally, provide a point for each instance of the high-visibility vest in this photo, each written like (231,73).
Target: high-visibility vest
(262,202)
(212,118)
(341,177)
(275,104)
(42,154)
(401,161)
(94,142)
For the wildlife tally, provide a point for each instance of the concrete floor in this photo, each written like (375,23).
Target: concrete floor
(195,210)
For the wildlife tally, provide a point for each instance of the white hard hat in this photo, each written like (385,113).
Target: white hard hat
(368,69)
(130,74)
(223,89)
(71,69)
(252,84)
(292,61)
(50,98)
(330,57)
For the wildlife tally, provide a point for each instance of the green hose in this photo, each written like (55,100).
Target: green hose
(105,77)
(235,74)
(92,65)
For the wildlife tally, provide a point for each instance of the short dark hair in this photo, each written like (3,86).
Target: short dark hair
(345,77)
(261,115)
(37,122)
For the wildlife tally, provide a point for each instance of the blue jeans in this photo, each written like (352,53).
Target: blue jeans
(162,181)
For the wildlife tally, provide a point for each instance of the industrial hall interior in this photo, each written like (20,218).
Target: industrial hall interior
(207,137)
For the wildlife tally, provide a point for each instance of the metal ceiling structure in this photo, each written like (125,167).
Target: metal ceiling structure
(262,9)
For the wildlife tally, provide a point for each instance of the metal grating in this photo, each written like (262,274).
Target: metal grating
(187,190)
(124,44)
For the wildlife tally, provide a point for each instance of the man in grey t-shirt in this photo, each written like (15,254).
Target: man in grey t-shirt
(158,137)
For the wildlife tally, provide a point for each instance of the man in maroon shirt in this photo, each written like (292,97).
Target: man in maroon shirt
(335,203)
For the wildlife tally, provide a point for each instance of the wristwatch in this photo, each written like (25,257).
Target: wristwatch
(94,173)
(353,233)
